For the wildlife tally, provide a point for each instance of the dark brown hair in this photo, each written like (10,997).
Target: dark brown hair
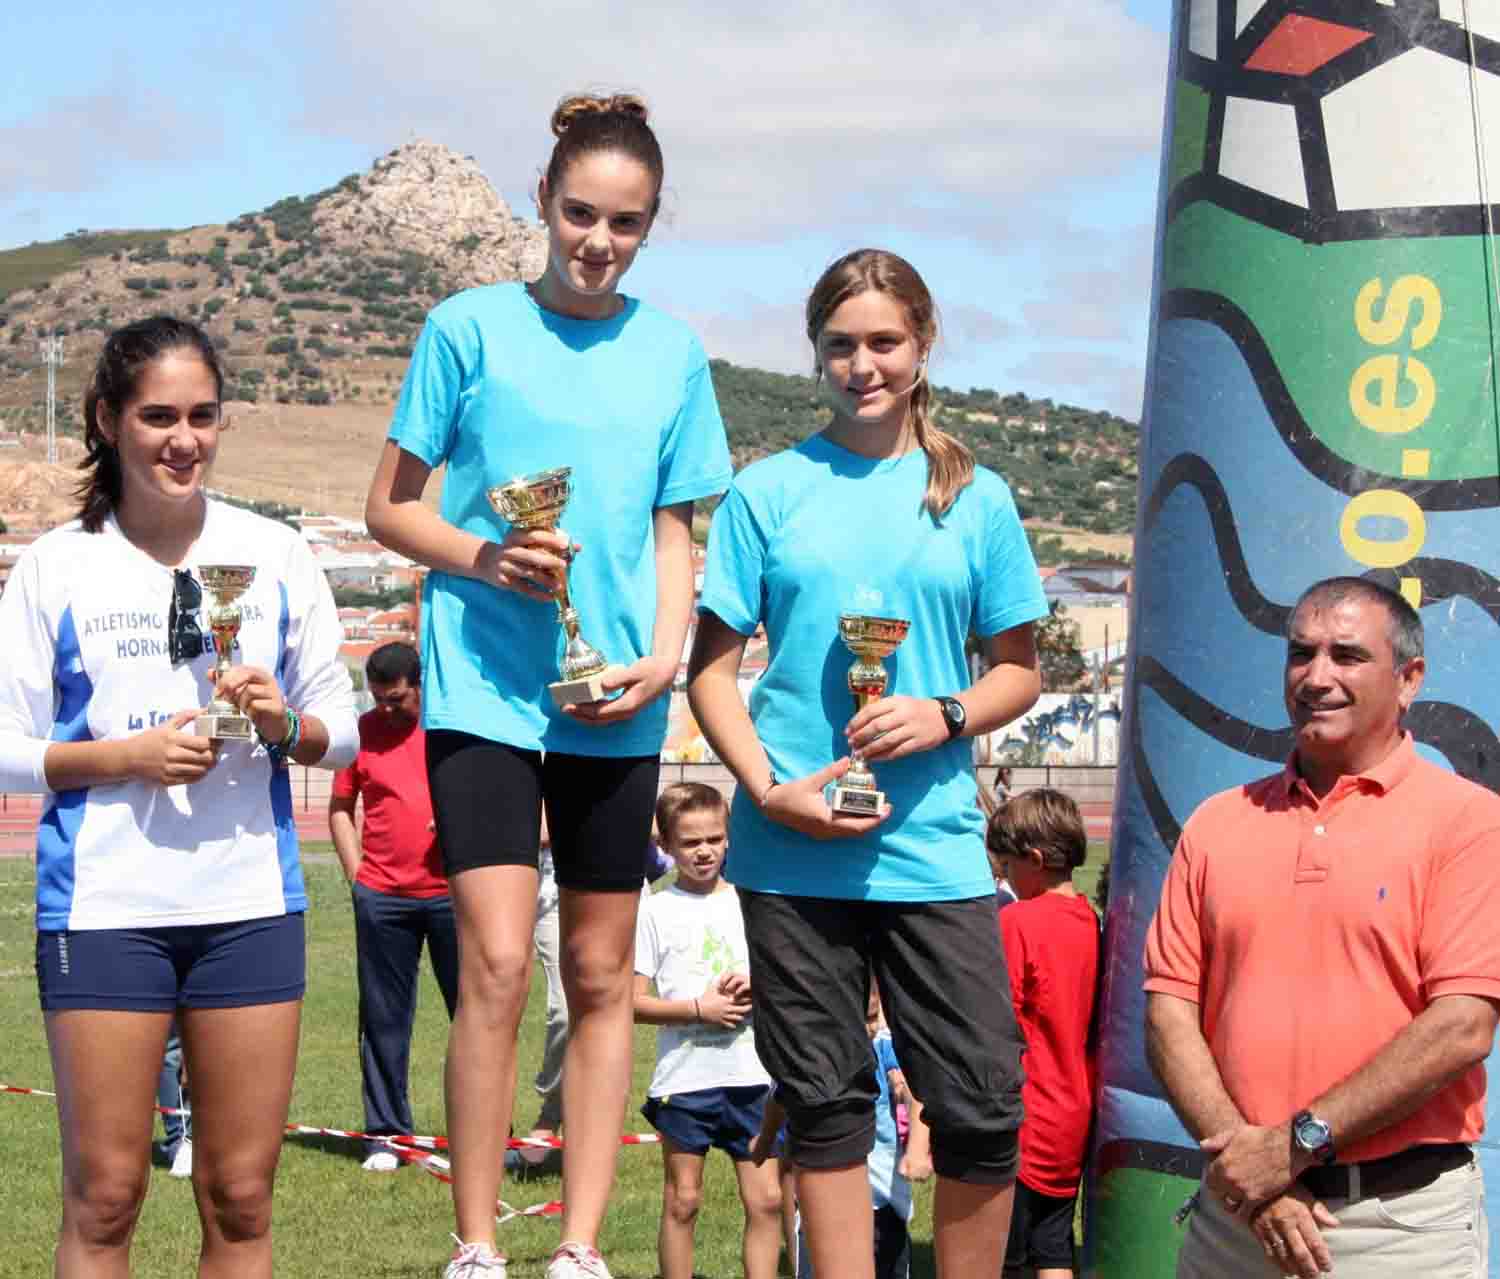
(393,662)
(1043,819)
(681,798)
(584,124)
(950,464)
(117,377)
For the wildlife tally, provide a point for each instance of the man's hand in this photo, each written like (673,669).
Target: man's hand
(1251,1165)
(1290,1230)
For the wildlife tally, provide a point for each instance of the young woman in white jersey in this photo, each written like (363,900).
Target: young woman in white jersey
(167,874)
(506,381)
(881,514)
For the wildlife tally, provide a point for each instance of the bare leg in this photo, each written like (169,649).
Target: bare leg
(241,1062)
(839,1219)
(682,1196)
(760,1193)
(598,932)
(495,907)
(970,1224)
(106,1065)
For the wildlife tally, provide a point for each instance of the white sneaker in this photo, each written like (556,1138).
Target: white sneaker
(577,1261)
(381,1161)
(474,1261)
(182,1161)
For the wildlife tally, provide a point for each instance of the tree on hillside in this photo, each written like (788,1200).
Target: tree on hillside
(1059,651)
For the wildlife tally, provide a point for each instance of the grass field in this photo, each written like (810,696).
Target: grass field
(331,1218)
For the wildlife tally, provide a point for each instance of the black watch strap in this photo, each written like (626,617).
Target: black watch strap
(954,715)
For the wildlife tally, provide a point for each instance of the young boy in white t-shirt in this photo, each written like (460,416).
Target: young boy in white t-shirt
(709,1088)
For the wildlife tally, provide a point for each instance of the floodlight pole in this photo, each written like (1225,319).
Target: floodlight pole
(52,357)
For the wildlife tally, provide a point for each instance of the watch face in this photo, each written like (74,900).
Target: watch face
(953,711)
(1312,1133)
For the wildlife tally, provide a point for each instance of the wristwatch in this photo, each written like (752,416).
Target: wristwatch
(1312,1136)
(954,715)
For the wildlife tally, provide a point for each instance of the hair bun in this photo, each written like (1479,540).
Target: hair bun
(577,105)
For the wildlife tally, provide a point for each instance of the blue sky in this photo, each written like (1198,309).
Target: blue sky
(1012,157)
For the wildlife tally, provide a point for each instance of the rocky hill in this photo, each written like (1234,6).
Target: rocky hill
(316,300)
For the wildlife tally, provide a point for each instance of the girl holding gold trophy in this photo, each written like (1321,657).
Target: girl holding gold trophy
(878,538)
(168,881)
(509,387)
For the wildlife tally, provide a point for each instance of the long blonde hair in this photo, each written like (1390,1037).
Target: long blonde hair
(950,464)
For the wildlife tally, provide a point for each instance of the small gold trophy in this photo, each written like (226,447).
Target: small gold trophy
(871,640)
(225,583)
(537,501)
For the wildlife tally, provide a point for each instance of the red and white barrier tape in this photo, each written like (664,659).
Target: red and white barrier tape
(439,1168)
(423,1143)
(413,1150)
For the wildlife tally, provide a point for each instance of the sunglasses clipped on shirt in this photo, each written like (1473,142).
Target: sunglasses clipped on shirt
(184,635)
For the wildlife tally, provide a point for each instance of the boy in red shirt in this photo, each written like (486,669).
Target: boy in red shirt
(1051,936)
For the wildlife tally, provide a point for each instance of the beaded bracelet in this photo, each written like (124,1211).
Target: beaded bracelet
(281,752)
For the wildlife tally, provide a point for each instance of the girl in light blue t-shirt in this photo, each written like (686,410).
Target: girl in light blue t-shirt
(880,514)
(507,381)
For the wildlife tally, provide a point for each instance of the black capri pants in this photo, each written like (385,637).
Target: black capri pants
(941,972)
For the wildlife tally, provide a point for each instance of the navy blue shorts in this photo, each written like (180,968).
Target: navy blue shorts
(151,970)
(728,1118)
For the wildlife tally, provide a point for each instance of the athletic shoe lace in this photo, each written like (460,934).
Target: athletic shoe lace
(474,1261)
(577,1261)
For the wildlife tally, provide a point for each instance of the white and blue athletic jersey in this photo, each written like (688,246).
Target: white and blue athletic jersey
(83,627)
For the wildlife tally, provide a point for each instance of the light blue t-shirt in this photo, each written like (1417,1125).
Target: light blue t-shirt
(499,387)
(817,531)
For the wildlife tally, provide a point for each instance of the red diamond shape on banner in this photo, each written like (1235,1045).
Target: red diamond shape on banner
(1300,45)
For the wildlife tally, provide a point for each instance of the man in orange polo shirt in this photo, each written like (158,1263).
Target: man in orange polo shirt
(400,894)
(1323,976)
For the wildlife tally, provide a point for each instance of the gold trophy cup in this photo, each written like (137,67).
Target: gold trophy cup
(871,640)
(225,583)
(537,501)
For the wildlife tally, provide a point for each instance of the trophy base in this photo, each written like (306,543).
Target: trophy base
(855,801)
(573,692)
(224,726)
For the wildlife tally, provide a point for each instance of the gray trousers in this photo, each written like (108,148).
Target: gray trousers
(1438,1232)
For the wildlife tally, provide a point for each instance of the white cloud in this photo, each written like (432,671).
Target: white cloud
(76,143)
(776,118)
(1088,378)
(762,336)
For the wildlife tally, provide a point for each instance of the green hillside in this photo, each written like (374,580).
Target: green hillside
(304,319)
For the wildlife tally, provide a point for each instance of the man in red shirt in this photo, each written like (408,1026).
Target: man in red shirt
(1051,936)
(1322,976)
(400,894)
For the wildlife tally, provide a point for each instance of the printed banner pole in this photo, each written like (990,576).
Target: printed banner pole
(1321,399)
